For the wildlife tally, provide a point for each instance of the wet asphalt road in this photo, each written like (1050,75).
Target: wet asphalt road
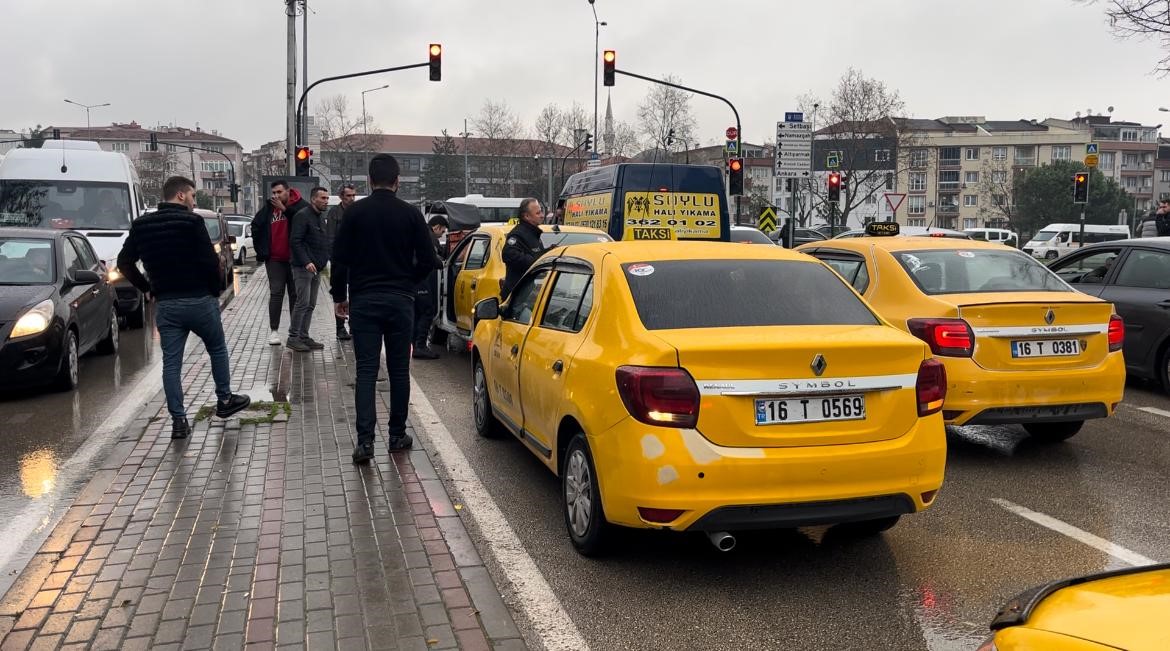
(933,582)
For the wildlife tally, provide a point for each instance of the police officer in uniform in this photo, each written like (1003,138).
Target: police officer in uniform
(523,245)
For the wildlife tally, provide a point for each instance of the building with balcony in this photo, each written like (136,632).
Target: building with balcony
(1126,151)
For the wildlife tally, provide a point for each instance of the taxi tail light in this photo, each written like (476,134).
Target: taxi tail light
(659,516)
(947,337)
(659,395)
(1116,333)
(931,386)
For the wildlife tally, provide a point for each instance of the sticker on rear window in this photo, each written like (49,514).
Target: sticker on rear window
(966,254)
(640,269)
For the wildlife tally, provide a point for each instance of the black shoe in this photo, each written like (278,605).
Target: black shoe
(342,335)
(180,428)
(363,452)
(234,404)
(297,345)
(421,351)
(399,443)
(313,344)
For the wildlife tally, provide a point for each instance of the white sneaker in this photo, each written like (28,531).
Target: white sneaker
(274,339)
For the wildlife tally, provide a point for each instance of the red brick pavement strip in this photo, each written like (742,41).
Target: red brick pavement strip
(259,536)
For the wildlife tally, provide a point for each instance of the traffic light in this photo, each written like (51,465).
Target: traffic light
(436,52)
(735,177)
(588,146)
(610,61)
(234,189)
(304,158)
(834,187)
(1080,187)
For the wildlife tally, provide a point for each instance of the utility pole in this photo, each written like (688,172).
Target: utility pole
(290,9)
(305,63)
(466,168)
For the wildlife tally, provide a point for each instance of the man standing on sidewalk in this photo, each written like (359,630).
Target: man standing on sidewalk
(383,249)
(270,232)
(183,274)
(309,257)
(332,222)
(426,299)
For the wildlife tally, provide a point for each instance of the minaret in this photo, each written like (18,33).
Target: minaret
(609,135)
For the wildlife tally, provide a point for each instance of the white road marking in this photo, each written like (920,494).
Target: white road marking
(553,625)
(1116,551)
(1155,411)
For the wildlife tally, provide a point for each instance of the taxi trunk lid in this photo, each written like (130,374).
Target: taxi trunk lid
(1037,330)
(772,371)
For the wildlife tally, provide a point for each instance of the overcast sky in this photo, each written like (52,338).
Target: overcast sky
(221,63)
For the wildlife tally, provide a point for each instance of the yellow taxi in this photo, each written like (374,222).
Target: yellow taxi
(1117,610)
(692,386)
(1020,345)
(475,270)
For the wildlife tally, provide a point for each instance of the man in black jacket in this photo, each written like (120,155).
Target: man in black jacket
(381,252)
(270,241)
(426,297)
(310,254)
(183,275)
(523,246)
(332,222)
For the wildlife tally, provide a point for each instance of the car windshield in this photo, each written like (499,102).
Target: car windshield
(960,271)
(978,235)
(65,204)
(212,225)
(234,228)
(26,261)
(1043,236)
(750,235)
(741,293)
(552,239)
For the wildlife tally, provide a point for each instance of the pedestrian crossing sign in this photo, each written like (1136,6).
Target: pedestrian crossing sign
(1091,148)
(767,220)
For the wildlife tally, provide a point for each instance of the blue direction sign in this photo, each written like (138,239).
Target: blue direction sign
(794,116)
(732,147)
(1091,148)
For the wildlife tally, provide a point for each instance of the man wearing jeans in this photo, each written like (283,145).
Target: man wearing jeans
(381,252)
(309,257)
(270,241)
(184,276)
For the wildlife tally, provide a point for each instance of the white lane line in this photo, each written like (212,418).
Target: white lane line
(533,593)
(1155,411)
(1116,551)
(38,516)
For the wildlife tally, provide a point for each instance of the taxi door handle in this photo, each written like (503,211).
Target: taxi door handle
(473,284)
(558,366)
(515,349)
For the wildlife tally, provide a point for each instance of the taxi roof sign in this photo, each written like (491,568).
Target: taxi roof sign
(882,229)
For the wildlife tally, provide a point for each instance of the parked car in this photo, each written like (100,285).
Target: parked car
(1134,275)
(910,231)
(749,235)
(222,240)
(242,232)
(56,304)
(1057,240)
(800,236)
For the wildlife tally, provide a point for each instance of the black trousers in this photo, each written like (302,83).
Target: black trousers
(377,319)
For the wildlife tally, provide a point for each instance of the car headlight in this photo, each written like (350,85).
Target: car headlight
(35,321)
(216,247)
(113,275)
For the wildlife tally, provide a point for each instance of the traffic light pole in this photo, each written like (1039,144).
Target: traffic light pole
(231,166)
(305,93)
(1084,206)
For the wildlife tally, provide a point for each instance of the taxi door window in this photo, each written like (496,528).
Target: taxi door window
(522,303)
(565,302)
(851,268)
(477,254)
(1147,269)
(1088,269)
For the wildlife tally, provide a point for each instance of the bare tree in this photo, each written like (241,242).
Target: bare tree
(664,111)
(1141,19)
(153,168)
(626,139)
(498,145)
(347,140)
(997,191)
(550,127)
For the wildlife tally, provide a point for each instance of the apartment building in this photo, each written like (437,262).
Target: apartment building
(1126,150)
(1162,170)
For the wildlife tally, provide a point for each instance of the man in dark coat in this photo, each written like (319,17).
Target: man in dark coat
(523,245)
(270,240)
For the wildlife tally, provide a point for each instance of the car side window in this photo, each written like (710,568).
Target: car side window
(522,302)
(1144,268)
(565,302)
(1087,269)
(477,253)
(85,251)
(851,268)
(72,259)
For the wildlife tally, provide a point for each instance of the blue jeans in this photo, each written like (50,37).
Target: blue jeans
(175,318)
(374,319)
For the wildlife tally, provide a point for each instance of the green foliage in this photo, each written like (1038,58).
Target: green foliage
(443,176)
(1043,196)
(204,200)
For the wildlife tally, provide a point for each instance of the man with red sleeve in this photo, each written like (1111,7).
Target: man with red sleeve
(270,240)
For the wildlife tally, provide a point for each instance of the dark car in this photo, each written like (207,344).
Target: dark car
(1134,275)
(222,240)
(800,236)
(55,305)
(749,235)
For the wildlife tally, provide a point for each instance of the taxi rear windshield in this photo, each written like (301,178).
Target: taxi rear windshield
(673,294)
(959,271)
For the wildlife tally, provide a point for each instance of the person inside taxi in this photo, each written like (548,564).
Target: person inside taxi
(1097,275)
(523,246)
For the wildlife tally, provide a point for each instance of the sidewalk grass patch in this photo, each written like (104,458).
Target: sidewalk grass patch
(257,413)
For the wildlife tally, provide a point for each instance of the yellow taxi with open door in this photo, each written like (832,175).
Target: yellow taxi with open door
(1020,345)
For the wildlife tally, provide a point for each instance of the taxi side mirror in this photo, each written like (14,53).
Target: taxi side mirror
(487,309)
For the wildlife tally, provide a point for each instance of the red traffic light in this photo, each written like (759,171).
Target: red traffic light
(735,164)
(834,179)
(609,58)
(303,153)
(1080,178)
(436,61)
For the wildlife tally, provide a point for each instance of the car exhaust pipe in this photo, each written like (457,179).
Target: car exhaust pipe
(722,540)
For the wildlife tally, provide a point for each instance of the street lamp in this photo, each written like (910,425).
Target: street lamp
(87,107)
(365,120)
(466,169)
(597,24)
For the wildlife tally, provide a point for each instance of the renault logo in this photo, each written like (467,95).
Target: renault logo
(818,364)
(1049,316)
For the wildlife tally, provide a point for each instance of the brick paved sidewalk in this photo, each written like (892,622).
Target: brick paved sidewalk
(260,535)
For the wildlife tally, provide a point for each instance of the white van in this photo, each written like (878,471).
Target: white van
(997,235)
(1055,240)
(492,209)
(73,184)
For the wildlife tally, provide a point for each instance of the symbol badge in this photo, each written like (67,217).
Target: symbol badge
(818,364)
(1049,317)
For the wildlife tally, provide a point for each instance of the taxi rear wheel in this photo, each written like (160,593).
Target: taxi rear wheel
(486,424)
(584,517)
(1053,432)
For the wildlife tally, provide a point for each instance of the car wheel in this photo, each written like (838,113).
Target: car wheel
(137,318)
(1054,432)
(109,345)
(866,528)
(584,517)
(67,376)
(486,423)
(438,336)
(1051,255)
(1164,369)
